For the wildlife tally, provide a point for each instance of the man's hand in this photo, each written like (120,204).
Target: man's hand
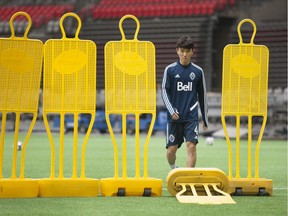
(204,127)
(175,116)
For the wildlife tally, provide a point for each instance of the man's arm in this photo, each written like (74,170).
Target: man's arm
(166,92)
(202,98)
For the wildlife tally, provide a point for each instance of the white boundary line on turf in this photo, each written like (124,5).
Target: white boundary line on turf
(280,188)
(165,189)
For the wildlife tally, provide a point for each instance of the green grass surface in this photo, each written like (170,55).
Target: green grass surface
(100,164)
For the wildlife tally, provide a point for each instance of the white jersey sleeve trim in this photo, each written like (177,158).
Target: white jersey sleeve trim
(193,107)
(164,92)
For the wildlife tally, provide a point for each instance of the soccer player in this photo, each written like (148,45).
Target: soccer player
(183,90)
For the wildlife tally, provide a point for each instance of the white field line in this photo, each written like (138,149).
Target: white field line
(273,189)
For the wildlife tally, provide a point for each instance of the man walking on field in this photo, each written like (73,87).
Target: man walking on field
(183,90)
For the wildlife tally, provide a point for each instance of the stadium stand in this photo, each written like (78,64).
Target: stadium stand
(110,9)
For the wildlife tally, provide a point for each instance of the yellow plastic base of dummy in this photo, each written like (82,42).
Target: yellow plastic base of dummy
(131,187)
(68,187)
(250,186)
(18,188)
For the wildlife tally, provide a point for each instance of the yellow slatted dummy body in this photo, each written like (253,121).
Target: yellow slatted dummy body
(130,89)
(69,88)
(20,71)
(245,96)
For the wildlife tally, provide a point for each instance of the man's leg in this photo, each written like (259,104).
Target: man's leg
(191,154)
(171,155)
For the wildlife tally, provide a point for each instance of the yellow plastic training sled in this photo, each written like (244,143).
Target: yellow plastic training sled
(199,185)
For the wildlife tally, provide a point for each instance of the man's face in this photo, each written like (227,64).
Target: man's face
(184,55)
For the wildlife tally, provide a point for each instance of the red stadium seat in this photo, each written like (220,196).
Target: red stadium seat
(211,8)
(203,8)
(177,10)
(232,2)
(221,4)
(151,10)
(194,9)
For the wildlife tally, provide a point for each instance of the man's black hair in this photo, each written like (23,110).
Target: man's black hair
(185,42)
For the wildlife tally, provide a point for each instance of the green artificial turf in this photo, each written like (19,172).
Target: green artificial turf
(100,164)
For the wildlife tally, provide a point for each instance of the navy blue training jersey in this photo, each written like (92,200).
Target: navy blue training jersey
(183,89)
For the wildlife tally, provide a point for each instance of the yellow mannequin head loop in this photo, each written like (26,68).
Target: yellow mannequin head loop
(137,28)
(254,30)
(20,13)
(78,28)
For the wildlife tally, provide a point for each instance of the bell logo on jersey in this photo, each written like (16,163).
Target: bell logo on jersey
(182,87)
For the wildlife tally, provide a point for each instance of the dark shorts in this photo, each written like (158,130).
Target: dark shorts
(178,132)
